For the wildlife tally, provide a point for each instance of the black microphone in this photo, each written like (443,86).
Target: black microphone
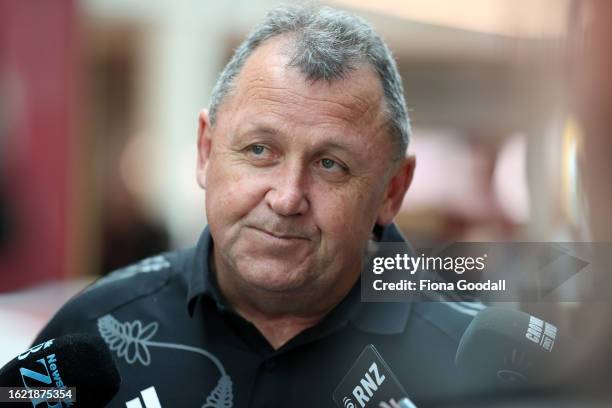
(508,347)
(79,361)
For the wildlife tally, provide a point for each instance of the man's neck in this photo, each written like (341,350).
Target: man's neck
(279,317)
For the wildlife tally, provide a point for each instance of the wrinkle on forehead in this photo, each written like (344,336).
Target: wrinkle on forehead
(268,80)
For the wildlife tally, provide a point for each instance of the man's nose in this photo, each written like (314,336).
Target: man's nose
(287,195)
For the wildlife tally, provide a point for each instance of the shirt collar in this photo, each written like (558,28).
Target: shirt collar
(199,275)
(383,317)
(371,317)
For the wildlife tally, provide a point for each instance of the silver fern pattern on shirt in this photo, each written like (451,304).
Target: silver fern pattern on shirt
(132,340)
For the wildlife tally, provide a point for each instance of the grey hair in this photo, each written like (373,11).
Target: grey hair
(328,44)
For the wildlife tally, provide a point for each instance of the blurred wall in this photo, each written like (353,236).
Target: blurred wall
(38,55)
(486,93)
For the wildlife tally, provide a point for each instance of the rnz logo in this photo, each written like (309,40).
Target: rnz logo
(368,385)
(348,403)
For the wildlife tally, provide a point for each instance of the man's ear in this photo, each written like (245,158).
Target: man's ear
(396,190)
(204,146)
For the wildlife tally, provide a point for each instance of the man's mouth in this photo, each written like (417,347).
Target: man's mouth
(281,235)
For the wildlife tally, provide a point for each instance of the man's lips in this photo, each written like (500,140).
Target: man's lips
(281,235)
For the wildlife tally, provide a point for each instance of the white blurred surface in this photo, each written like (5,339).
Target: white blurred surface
(23,314)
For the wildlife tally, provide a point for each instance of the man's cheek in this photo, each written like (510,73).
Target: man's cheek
(345,211)
(230,182)
(338,226)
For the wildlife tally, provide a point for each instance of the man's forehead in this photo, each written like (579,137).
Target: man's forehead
(267,74)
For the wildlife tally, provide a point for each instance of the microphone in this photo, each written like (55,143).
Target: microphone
(81,361)
(406,403)
(511,348)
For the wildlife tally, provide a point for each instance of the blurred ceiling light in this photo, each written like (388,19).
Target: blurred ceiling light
(510,178)
(571,189)
(527,19)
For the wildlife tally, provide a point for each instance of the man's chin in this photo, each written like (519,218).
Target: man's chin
(279,280)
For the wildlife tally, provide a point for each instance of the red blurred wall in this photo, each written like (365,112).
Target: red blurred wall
(38,75)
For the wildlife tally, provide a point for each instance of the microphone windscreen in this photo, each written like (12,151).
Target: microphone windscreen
(509,347)
(81,361)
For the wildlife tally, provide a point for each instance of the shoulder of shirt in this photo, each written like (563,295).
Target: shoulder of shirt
(450,318)
(126,285)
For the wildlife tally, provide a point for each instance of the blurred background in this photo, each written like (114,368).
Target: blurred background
(98,118)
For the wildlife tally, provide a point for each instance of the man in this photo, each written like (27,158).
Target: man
(303,158)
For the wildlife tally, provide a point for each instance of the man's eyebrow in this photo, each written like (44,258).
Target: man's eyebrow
(333,145)
(260,129)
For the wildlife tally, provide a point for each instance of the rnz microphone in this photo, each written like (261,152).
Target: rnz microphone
(79,361)
(509,347)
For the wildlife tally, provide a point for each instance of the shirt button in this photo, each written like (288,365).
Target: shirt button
(270,364)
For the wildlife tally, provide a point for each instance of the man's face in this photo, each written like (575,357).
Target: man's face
(296,175)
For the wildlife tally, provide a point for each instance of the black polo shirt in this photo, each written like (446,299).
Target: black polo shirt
(169,328)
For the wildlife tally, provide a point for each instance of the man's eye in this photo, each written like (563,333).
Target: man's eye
(329,164)
(257,150)
(259,155)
